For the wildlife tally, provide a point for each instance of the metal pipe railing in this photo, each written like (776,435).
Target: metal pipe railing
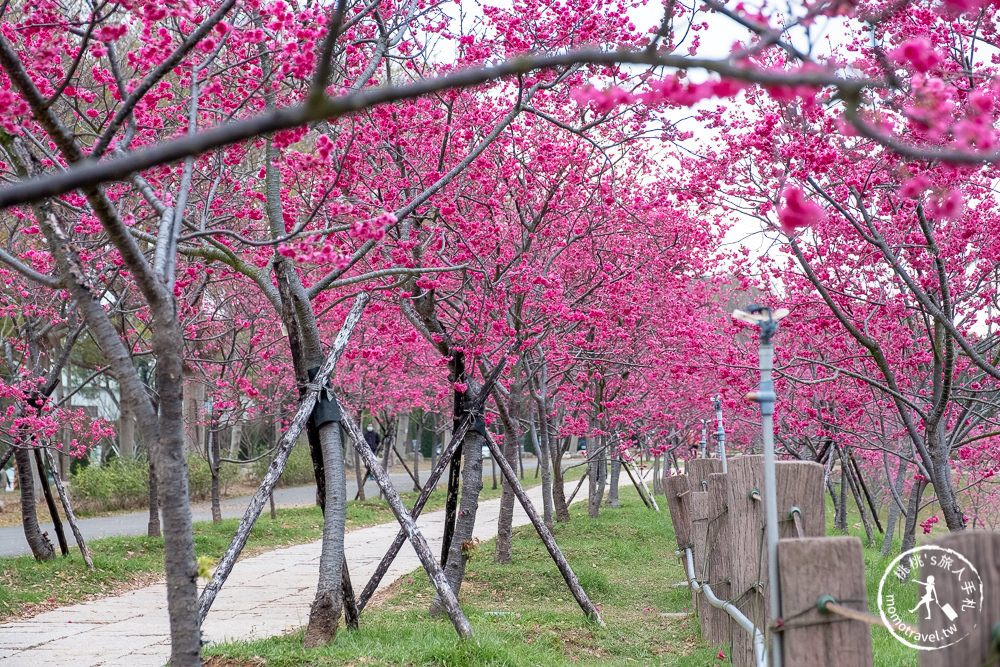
(759,643)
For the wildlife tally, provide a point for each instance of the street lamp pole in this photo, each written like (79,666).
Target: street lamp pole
(767,320)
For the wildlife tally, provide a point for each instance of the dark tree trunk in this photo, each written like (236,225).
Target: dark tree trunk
(840,512)
(153,524)
(41,547)
(214,465)
(912,509)
(172,484)
(50,502)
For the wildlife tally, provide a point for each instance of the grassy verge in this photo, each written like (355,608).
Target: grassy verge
(522,613)
(28,588)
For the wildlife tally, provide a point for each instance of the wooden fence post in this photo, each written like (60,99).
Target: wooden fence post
(813,567)
(697,474)
(799,486)
(698,471)
(981,646)
(715,623)
(678,494)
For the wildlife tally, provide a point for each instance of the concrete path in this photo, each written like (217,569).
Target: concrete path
(13,543)
(264,596)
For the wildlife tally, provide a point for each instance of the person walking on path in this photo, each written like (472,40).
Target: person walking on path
(371,437)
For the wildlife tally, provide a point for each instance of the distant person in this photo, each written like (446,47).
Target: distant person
(8,478)
(371,437)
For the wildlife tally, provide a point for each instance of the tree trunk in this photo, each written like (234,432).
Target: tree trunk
(126,433)
(894,510)
(616,471)
(327,607)
(503,551)
(213,465)
(462,545)
(172,485)
(944,486)
(912,509)
(416,454)
(840,511)
(542,464)
(41,547)
(235,438)
(153,524)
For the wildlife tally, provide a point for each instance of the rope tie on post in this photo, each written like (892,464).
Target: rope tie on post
(827,604)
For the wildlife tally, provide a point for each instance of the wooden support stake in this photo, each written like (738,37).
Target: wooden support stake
(397,544)
(510,477)
(981,646)
(283,449)
(68,508)
(813,567)
(434,571)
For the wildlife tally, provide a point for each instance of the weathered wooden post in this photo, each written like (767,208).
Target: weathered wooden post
(799,491)
(698,471)
(815,568)
(678,493)
(715,623)
(974,601)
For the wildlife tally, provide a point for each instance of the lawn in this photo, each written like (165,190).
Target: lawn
(28,587)
(522,613)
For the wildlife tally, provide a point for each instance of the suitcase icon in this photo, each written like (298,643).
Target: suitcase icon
(949,611)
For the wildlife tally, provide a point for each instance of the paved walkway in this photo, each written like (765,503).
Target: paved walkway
(13,542)
(264,596)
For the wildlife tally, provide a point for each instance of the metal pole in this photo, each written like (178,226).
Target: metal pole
(720,433)
(768,323)
(704,438)
(765,396)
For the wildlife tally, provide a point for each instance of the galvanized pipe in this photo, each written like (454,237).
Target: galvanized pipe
(759,644)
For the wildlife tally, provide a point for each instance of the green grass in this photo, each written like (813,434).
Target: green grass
(28,587)
(624,560)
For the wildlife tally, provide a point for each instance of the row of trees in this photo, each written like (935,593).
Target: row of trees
(203,191)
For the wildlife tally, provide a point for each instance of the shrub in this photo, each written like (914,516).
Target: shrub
(298,469)
(124,483)
(119,484)
(200,477)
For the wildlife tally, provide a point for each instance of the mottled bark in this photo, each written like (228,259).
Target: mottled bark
(616,471)
(894,510)
(324,615)
(511,419)
(41,546)
(912,510)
